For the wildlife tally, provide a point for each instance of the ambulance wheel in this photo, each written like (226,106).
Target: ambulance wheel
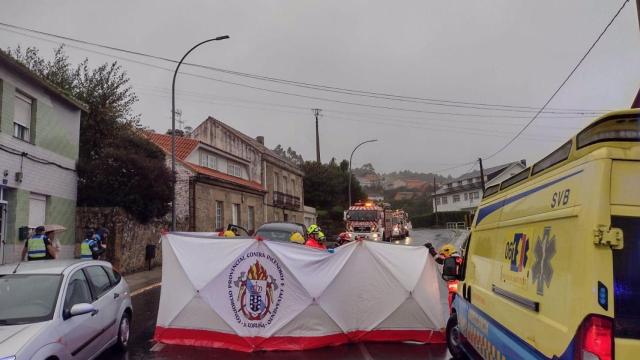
(454,338)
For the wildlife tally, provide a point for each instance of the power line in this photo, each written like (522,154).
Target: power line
(361,93)
(561,85)
(367,119)
(205,98)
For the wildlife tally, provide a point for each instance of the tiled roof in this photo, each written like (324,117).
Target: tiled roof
(222,176)
(184,146)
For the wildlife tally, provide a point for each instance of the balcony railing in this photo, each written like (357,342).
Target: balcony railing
(285,200)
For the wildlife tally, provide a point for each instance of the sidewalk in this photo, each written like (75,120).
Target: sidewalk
(144,280)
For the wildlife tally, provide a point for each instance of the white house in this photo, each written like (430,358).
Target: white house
(465,192)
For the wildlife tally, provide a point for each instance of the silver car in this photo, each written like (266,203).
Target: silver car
(55,310)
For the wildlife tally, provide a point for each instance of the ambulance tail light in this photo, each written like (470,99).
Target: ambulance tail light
(595,339)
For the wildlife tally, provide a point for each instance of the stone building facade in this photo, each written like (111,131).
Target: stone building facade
(281,179)
(226,177)
(208,199)
(39,146)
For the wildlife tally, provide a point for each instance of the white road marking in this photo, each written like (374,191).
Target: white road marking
(146,288)
(157,347)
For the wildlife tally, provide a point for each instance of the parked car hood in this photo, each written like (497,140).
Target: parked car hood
(14,337)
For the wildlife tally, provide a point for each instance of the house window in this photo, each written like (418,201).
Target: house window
(276,182)
(37,210)
(251,219)
(456,198)
(219,215)
(209,161)
(22,117)
(437,201)
(286,184)
(476,195)
(235,214)
(444,200)
(234,169)
(293,187)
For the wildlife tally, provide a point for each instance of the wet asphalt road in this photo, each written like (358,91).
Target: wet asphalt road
(146,308)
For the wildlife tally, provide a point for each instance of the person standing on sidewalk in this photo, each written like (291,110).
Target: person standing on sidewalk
(38,247)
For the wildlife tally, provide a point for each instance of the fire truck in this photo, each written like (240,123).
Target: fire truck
(365,220)
(398,225)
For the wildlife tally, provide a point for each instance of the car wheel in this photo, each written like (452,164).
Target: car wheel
(124,332)
(454,338)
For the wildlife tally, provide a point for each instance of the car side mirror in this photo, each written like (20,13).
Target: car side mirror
(80,309)
(450,269)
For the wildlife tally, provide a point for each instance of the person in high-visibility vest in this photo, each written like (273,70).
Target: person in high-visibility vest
(38,247)
(315,239)
(447,251)
(87,244)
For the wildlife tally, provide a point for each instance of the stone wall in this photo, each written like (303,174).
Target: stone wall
(206,196)
(127,240)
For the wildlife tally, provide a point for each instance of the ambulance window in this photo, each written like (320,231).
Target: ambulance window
(491,190)
(627,279)
(521,176)
(560,155)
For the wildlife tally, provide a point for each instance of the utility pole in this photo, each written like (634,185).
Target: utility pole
(435,204)
(481,174)
(316,112)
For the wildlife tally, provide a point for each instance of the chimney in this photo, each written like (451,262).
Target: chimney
(524,162)
(260,139)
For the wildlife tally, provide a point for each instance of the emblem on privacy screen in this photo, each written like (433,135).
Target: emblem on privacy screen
(544,251)
(255,294)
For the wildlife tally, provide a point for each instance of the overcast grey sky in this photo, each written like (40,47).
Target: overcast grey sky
(500,52)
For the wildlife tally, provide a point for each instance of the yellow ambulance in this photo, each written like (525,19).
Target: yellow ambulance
(552,265)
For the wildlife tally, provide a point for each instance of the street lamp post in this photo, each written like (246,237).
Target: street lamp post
(350,159)
(173,127)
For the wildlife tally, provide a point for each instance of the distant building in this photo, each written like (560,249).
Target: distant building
(404,195)
(395,184)
(465,192)
(370,180)
(416,185)
(39,147)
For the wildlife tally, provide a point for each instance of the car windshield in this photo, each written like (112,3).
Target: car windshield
(362,215)
(275,235)
(28,298)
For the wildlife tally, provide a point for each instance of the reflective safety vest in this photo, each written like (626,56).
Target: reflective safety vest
(36,248)
(85,249)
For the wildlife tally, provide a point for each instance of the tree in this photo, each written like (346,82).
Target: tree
(289,155)
(116,166)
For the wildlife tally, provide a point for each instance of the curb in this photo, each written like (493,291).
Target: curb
(145,289)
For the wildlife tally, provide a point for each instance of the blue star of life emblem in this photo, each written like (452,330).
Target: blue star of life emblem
(544,251)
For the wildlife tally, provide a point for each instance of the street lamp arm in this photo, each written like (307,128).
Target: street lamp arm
(173,127)
(350,160)
(356,148)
